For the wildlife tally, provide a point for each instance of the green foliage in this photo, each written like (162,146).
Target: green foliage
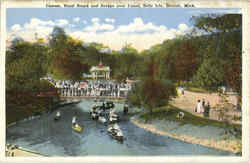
(210,75)
(152,93)
(223,45)
(135,96)
(218,23)
(185,60)
(23,103)
(58,38)
(25,64)
(128,48)
(126,65)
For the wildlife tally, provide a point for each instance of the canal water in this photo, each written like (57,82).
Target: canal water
(51,138)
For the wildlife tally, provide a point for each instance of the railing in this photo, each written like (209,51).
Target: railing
(69,92)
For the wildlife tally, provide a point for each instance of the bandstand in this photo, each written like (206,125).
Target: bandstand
(100,72)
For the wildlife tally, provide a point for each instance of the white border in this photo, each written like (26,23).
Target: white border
(244,5)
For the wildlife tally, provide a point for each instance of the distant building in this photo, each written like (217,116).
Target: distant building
(100,72)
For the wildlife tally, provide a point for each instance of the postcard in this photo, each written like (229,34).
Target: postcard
(134,81)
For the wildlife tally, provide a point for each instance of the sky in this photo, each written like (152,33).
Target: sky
(141,27)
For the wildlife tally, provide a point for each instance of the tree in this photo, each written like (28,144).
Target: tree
(128,48)
(214,23)
(65,56)
(233,75)
(58,37)
(153,92)
(210,74)
(156,93)
(223,39)
(185,61)
(25,66)
(65,67)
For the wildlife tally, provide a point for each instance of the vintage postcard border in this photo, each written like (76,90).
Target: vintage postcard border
(244,5)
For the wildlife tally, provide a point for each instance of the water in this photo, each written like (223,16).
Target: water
(51,138)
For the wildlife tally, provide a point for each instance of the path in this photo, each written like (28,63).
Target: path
(21,152)
(189,100)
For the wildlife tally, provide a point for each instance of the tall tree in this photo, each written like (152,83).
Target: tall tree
(233,75)
(25,66)
(153,92)
(185,61)
(214,23)
(225,33)
(210,75)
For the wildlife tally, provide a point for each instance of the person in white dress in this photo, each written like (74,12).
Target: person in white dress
(199,106)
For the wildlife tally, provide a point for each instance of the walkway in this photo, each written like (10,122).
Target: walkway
(189,100)
(22,152)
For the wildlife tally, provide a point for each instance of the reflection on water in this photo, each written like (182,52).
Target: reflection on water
(52,138)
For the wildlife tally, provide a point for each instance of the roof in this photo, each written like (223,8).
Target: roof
(100,67)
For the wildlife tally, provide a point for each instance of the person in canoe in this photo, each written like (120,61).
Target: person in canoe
(75,126)
(58,116)
(125,109)
(74,121)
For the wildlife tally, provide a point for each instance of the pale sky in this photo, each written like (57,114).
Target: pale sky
(143,27)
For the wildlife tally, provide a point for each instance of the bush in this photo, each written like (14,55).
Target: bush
(152,93)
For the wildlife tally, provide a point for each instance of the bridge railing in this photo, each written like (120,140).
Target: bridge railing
(69,92)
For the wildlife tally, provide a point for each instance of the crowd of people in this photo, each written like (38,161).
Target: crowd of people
(92,88)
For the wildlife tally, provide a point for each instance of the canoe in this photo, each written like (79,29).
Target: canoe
(77,128)
(57,118)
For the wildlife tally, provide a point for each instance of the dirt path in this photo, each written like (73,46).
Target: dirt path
(189,100)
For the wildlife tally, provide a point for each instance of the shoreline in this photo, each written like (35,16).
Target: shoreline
(37,116)
(224,145)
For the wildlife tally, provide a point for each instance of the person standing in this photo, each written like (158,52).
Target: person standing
(203,105)
(203,102)
(182,91)
(207,109)
(199,106)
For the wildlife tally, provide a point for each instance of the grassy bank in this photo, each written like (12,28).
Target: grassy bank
(197,90)
(170,113)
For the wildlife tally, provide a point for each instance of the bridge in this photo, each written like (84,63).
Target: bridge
(94,93)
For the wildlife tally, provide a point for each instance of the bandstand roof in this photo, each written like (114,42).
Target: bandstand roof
(100,67)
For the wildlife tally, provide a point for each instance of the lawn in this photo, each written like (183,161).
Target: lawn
(170,113)
(197,90)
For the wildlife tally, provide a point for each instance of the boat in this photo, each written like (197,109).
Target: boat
(93,112)
(125,109)
(113,118)
(102,119)
(77,128)
(115,132)
(58,116)
(94,115)
(109,105)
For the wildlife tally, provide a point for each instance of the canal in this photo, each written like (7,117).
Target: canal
(51,138)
